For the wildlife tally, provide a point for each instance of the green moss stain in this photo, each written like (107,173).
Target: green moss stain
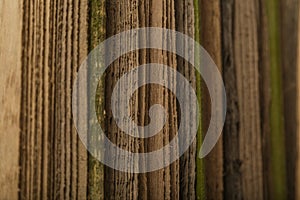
(278,169)
(96,34)
(200,176)
(97,23)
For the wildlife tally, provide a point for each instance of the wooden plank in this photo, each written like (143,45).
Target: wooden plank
(242,134)
(185,23)
(289,41)
(164,183)
(53,160)
(265,95)
(10,96)
(210,31)
(122,15)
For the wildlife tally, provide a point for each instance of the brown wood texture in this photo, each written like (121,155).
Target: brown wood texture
(243,178)
(210,30)
(185,24)
(265,95)
(10,96)
(53,160)
(42,44)
(160,184)
(121,15)
(289,39)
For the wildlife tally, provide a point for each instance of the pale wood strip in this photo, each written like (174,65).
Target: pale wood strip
(10,96)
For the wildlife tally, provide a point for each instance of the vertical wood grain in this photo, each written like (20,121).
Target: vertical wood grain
(265,95)
(164,183)
(122,15)
(243,177)
(289,41)
(185,20)
(53,160)
(210,31)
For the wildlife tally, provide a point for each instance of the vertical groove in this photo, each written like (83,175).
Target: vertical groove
(265,95)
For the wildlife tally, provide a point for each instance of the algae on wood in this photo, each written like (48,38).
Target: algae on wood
(277,157)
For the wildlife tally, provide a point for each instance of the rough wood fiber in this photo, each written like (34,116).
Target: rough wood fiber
(242,135)
(52,158)
(184,11)
(164,183)
(10,95)
(289,39)
(210,31)
(122,15)
(161,184)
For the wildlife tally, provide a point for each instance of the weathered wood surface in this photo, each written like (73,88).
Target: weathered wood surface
(10,95)
(265,95)
(122,15)
(184,21)
(289,41)
(243,177)
(164,183)
(210,30)
(42,44)
(53,160)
